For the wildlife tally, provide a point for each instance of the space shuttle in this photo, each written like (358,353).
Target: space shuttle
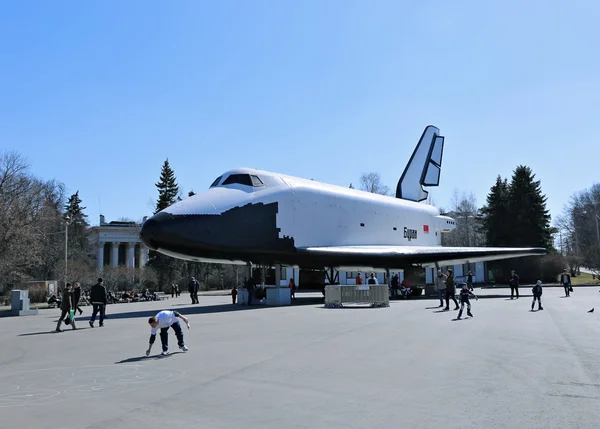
(249,216)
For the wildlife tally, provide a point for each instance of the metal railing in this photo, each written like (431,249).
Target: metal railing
(374,295)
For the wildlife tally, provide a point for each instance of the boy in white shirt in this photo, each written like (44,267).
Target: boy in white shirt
(164,320)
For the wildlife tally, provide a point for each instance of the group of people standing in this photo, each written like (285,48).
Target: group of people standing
(70,303)
(444,283)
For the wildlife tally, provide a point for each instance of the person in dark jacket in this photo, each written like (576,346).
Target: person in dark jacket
(99,300)
(514,284)
(193,288)
(565,279)
(465,293)
(76,297)
(450,290)
(395,285)
(65,306)
(250,289)
(537,295)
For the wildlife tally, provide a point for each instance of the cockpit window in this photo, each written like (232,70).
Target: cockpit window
(216,182)
(256,182)
(242,179)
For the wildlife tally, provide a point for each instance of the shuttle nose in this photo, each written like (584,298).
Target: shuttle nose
(150,232)
(168,232)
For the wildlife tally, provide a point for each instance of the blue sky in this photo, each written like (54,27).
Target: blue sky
(98,94)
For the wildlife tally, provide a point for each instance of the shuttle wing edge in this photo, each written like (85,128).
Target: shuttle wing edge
(428,256)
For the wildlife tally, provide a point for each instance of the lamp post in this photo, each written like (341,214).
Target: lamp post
(67,223)
(597,217)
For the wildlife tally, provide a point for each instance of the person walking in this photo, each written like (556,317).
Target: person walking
(292,286)
(440,285)
(77,297)
(565,279)
(470,280)
(99,299)
(66,305)
(233,294)
(450,290)
(250,289)
(514,284)
(193,288)
(395,285)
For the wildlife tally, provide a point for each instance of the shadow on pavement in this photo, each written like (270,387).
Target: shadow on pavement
(52,331)
(143,358)
(191,309)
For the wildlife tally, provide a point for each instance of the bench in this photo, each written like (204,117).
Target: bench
(161,295)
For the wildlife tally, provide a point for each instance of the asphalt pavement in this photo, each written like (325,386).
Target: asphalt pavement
(411,365)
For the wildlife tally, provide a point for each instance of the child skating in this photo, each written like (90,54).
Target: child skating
(164,320)
(464,295)
(537,295)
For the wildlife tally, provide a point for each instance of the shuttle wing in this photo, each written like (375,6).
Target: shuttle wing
(427,256)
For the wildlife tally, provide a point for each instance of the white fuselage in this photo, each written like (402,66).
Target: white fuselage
(319,214)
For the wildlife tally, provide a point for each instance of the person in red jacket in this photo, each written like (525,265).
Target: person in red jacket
(292,285)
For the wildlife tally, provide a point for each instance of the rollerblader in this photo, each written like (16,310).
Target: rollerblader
(164,320)
(465,293)
(537,295)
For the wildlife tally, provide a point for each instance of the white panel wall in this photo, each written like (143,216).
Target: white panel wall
(365,275)
(478,277)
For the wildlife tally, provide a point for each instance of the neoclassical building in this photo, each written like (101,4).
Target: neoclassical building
(118,244)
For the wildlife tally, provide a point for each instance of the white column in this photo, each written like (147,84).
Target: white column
(130,255)
(141,256)
(145,253)
(277,276)
(114,256)
(100,256)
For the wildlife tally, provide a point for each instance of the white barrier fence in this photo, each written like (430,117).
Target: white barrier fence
(374,295)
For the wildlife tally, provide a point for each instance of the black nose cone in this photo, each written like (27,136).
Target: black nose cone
(151,232)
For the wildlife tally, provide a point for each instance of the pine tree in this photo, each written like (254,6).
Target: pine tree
(529,217)
(495,215)
(78,240)
(168,190)
(191,194)
(73,208)
(516,216)
(169,269)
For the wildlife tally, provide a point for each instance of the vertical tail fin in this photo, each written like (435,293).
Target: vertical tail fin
(424,166)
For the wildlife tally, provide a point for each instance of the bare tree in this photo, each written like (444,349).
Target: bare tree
(371,182)
(465,212)
(30,223)
(579,229)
